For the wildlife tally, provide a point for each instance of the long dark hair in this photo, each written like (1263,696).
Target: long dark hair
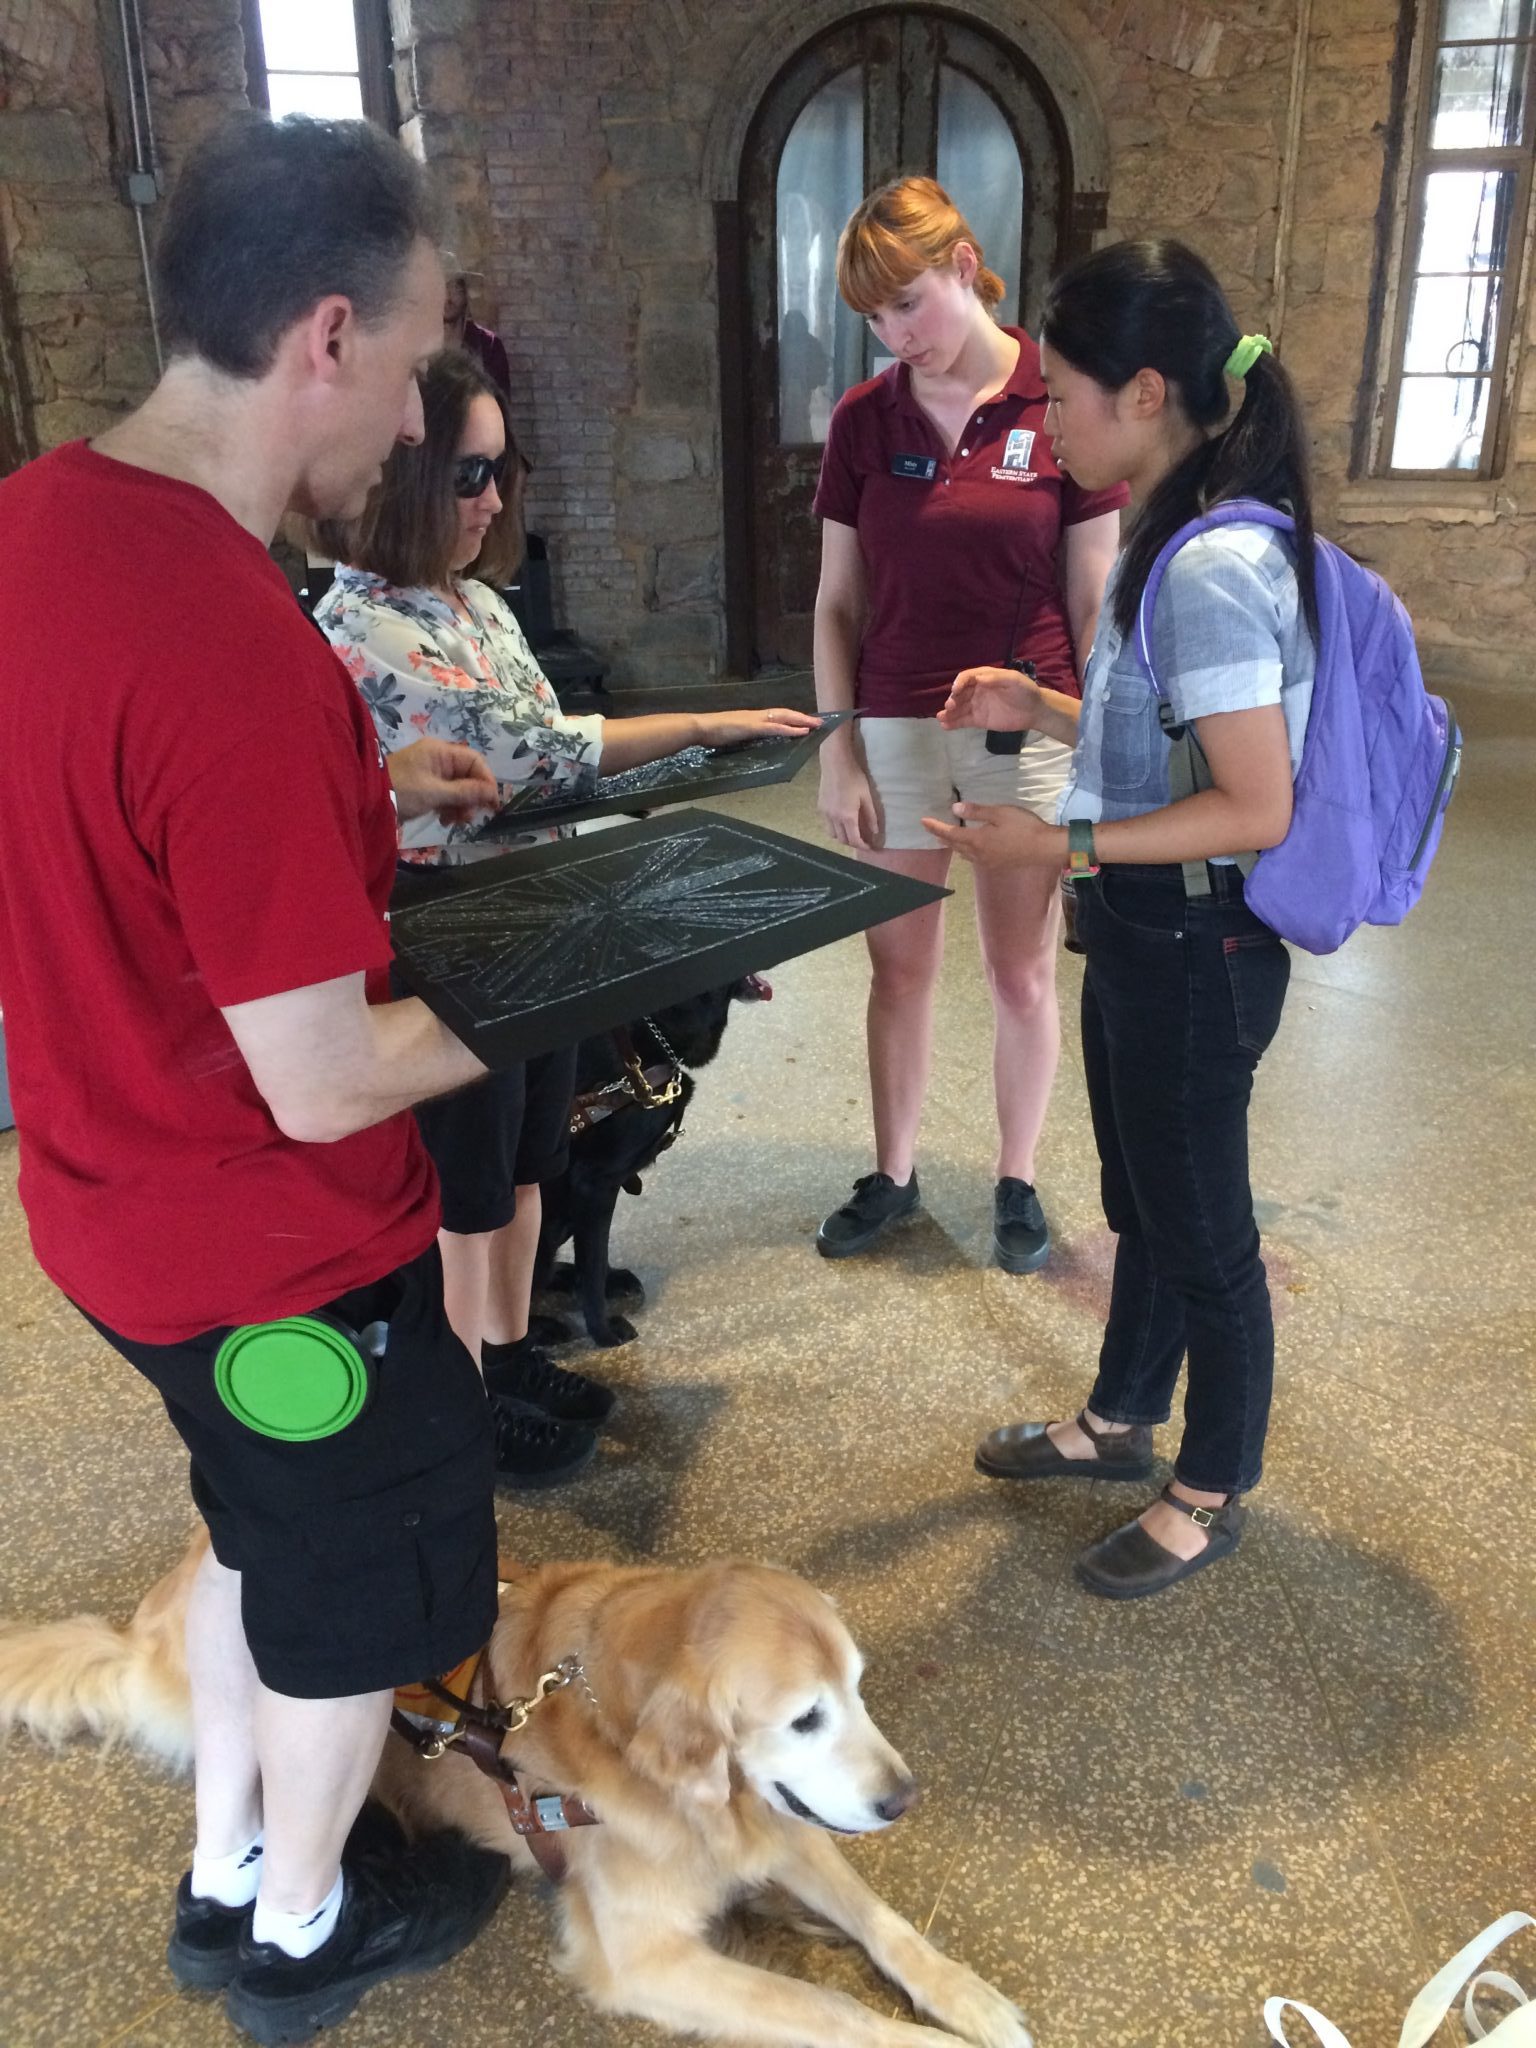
(1155,305)
(410,524)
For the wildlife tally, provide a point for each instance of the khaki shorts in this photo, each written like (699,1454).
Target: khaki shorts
(917,769)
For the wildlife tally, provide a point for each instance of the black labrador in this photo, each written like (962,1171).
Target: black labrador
(633,1089)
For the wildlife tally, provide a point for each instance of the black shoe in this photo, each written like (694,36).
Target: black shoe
(203,1951)
(535,1450)
(877,1202)
(528,1373)
(1021,1237)
(1024,1450)
(1131,1565)
(400,1914)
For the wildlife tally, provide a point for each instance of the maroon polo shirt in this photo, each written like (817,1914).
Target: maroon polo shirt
(950,542)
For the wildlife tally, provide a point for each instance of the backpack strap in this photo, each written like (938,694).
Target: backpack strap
(1188,769)
(1436,2000)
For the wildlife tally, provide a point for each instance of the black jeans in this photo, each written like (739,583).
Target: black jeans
(1181,996)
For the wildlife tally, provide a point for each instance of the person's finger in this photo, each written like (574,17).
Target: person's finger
(962,843)
(988,815)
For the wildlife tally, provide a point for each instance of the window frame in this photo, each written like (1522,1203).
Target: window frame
(1421,162)
(375,60)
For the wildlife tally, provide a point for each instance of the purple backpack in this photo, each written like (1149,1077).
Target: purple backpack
(1378,765)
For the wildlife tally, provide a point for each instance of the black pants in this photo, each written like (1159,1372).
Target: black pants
(1181,996)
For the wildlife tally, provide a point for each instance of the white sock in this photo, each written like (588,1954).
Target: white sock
(231,1879)
(298,1934)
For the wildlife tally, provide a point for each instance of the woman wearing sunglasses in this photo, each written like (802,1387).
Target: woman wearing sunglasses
(436,651)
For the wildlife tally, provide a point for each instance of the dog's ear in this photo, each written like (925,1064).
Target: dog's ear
(680,1746)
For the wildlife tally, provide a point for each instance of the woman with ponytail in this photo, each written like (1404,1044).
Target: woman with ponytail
(1150,379)
(950,537)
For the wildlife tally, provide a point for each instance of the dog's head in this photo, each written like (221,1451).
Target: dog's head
(694,1028)
(751,1677)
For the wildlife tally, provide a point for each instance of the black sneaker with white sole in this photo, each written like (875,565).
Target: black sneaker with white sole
(204,1948)
(526,1372)
(534,1450)
(1021,1237)
(876,1203)
(400,1914)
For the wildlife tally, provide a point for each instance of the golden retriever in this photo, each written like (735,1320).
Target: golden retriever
(719,1737)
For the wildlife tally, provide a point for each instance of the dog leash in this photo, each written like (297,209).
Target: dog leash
(638,1087)
(657,1086)
(481,1730)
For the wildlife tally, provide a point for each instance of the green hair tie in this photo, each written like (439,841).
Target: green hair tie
(1246,354)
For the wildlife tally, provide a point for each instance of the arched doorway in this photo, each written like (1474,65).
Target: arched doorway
(881,95)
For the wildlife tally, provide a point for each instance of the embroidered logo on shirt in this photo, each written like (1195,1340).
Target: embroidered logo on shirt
(1016,454)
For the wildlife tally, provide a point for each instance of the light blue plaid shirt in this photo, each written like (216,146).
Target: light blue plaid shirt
(1228,635)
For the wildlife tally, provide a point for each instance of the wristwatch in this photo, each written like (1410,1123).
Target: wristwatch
(1080,855)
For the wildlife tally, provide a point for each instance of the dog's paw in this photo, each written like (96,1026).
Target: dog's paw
(549,1331)
(969,2007)
(616,1330)
(622,1285)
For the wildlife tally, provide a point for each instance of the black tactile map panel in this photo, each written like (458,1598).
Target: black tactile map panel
(534,949)
(682,778)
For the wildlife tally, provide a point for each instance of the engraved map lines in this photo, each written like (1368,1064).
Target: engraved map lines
(527,939)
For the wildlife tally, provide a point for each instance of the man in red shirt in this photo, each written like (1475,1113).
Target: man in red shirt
(197,841)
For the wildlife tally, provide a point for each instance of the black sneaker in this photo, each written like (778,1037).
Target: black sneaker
(203,1951)
(1021,1237)
(528,1373)
(877,1202)
(535,1450)
(400,1914)
(204,1947)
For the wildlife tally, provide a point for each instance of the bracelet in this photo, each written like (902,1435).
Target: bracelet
(1081,859)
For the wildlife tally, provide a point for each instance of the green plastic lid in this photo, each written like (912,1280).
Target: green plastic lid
(298,1379)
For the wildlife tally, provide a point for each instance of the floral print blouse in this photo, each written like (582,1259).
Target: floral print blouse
(423,669)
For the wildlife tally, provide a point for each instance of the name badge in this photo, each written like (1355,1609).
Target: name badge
(924,467)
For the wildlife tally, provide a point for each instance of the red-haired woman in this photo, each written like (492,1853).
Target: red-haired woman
(949,539)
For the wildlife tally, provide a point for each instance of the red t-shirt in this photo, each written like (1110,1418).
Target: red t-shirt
(193,813)
(949,545)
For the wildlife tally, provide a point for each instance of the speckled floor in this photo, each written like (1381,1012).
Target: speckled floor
(1309,1771)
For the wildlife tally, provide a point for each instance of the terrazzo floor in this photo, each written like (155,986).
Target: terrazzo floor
(1309,1771)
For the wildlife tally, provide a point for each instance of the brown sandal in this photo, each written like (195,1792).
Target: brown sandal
(1022,1450)
(1130,1564)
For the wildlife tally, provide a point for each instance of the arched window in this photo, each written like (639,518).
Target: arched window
(887,92)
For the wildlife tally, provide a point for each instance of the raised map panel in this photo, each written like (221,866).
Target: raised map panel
(538,948)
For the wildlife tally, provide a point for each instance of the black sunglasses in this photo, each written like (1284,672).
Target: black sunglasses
(471,474)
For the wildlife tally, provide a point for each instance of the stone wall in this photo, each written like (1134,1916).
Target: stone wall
(82,348)
(580,150)
(598,124)
(1457,551)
